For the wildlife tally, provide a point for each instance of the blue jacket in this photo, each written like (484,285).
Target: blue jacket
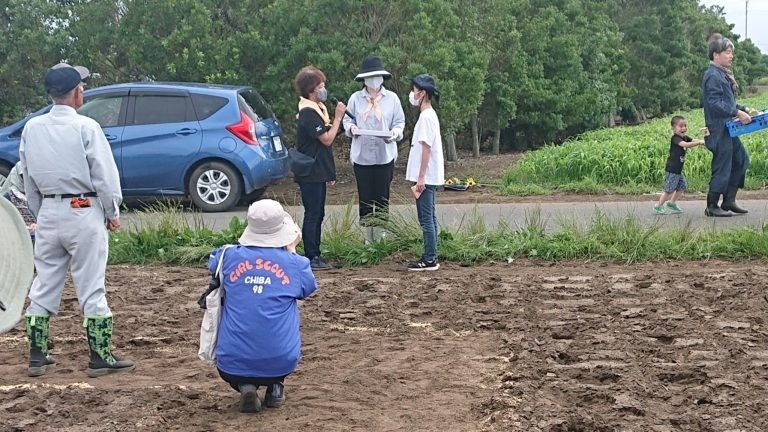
(720,107)
(259,334)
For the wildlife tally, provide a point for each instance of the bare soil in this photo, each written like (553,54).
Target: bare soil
(521,346)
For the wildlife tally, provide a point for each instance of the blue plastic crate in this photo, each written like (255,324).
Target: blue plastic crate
(759,121)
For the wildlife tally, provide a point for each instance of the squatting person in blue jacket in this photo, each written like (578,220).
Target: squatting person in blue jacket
(259,342)
(729,158)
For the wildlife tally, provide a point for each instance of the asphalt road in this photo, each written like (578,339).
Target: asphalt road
(516,215)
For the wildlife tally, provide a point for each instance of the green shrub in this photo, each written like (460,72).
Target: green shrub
(627,159)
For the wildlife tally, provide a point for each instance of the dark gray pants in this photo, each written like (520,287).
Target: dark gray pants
(729,165)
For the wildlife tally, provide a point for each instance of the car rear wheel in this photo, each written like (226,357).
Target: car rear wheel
(215,187)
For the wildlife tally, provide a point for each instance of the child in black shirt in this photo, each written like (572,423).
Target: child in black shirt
(674,183)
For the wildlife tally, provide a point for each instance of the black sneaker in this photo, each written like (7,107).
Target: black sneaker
(249,400)
(423,265)
(318,263)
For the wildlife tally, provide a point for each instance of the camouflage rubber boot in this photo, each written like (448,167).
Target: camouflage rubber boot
(37,335)
(102,362)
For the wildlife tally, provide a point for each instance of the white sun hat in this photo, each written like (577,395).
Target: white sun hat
(269,225)
(17,265)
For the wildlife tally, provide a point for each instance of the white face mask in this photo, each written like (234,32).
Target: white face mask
(412,99)
(374,83)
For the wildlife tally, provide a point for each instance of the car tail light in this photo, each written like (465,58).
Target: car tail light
(245,129)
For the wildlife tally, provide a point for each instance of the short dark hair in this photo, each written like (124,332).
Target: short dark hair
(676,120)
(307,79)
(718,43)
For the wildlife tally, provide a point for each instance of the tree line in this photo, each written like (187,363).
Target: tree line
(512,73)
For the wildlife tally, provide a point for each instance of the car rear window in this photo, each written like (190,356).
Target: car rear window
(207,105)
(255,105)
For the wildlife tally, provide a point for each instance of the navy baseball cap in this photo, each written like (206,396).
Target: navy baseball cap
(425,82)
(62,78)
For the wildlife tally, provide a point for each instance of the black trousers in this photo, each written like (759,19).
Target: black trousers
(313,199)
(373,183)
(235,381)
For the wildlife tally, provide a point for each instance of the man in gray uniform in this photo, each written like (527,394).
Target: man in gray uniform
(73,188)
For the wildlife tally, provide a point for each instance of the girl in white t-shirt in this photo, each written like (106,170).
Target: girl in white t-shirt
(426,166)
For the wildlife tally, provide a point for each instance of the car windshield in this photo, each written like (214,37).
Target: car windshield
(254,105)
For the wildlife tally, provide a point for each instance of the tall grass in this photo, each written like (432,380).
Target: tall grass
(627,159)
(169,237)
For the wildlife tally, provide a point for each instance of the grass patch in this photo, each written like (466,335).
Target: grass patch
(171,237)
(628,159)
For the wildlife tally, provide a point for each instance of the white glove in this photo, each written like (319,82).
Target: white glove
(353,130)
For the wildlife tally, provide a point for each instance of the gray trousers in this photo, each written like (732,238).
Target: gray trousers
(75,240)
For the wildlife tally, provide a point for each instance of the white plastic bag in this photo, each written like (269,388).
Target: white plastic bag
(209,329)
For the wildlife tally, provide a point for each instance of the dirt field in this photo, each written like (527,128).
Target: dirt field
(522,346)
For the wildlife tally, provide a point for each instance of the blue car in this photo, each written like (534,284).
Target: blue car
(217,144)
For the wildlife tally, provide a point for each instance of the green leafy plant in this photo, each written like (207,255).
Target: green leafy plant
(630,158)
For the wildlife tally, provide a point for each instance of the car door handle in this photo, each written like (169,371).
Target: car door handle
(111,137)
(186,131)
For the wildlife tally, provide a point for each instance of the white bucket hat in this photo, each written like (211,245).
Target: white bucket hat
(17,265)
(269,226)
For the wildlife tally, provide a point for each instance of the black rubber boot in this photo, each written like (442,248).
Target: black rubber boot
(712,207)
(729,201)
(37,335)
(102,362)
(249,399)
(275,395)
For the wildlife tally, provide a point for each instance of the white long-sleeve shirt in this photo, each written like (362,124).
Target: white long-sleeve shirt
(371,150)
(63,152)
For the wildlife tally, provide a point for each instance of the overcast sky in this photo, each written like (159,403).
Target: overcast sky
(756,12)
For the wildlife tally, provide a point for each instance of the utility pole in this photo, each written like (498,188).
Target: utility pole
(746,20)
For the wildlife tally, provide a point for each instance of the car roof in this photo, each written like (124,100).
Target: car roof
(175,85)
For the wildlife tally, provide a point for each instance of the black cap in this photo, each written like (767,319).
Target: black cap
(62,78)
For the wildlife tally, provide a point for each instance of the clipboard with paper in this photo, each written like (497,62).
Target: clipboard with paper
(372,132)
